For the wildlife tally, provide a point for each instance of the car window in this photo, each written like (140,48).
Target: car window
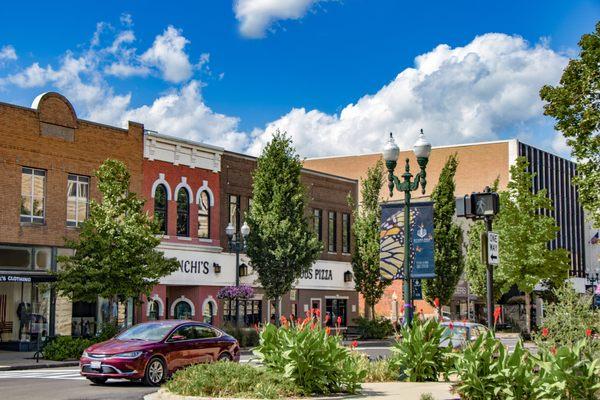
(203,332)
(475,332)
(151,331)
(183,333)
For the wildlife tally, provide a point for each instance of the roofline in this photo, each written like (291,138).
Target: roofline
(149,132)
(305,170)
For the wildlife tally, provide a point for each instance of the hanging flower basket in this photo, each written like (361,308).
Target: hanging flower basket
(236,292)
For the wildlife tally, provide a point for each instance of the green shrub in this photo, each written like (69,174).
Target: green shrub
(376,371)
(569,372)
(427,396)
(311,358)
(247,337)
(107,331)
(228,379)
(419,356)
(378,328)
(66,348)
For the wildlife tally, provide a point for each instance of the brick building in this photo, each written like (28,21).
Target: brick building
(47,161)
(479,165)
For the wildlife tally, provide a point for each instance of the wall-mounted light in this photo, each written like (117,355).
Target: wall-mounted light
(243,269)
(347,276)
(217,268)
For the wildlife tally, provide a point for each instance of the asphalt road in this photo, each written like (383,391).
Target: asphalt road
(67,384)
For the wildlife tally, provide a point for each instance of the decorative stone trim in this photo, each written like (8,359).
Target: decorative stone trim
(179,300)
(161,181)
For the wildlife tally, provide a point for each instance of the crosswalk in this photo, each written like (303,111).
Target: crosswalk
(50,373)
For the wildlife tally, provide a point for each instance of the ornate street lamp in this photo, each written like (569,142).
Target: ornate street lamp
(422,149)
(237,245)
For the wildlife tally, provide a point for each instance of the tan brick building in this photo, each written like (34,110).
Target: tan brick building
(47,161)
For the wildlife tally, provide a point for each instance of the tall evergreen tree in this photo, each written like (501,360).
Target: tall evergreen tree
(448,238)
(281,245)
(366,227)
(575,104)
(115,255)
(525,231)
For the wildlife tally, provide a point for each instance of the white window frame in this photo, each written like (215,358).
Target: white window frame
(76,223)
(32,219)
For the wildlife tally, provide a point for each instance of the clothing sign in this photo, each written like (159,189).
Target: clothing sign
(492,248)
(392,241)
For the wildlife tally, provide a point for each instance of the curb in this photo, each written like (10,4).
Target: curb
(39,366)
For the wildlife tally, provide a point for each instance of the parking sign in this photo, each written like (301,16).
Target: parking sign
(492,248)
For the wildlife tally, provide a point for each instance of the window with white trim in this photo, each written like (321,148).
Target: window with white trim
(78,199)
(204,215)
(33,193)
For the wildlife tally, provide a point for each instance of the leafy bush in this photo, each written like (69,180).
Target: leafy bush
(376,371)
(485,370)
(107,331)
(66,348)
(307,355)
(427,396)
(569,372)
(247,337)
(378,328)
(419,355)
(228,379)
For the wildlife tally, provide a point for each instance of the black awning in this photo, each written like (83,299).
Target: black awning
(25,276)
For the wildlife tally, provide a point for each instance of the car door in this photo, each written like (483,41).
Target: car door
(208,345)
(180,345)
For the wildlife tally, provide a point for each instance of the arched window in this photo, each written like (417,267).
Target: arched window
(152,310)
(160,207)
(183,213)
(209,311)
(204,215)
(183,310)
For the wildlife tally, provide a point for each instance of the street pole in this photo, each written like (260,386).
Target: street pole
(237,280)
(489,281)
(407,290)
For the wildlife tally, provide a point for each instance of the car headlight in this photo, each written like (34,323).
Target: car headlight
(84,354)
(131,354)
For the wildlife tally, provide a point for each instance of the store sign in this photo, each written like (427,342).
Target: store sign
(392,241)
(194,266)
(323,274)
(198,267)
(13,278)
(326,275)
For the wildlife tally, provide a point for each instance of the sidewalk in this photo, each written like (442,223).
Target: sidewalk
(14,360)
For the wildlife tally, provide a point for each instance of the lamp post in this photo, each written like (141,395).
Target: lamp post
(422,149)
(237,245)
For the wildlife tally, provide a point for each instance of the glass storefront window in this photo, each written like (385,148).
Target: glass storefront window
(336,308)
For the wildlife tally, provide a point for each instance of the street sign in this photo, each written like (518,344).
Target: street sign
(492,248)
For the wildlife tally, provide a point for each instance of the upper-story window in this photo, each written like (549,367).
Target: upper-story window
(332,232)
(160,207)
(234,211)
(183,212)
(204,215)
(345,233)
(318,223)
(33,191)
(78,199)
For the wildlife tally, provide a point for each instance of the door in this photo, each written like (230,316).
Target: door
(182,347)
(207,344)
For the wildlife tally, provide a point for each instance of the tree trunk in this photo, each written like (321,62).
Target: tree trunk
(113,318)
(368,310)
(373,311)
(439,310)
(527,313)
(276,311)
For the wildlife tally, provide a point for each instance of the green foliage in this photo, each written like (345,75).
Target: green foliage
(378,370)
(246,337)
(365,228)
(228,379)
(448,255)
(487,371)
(377,328)
(107,331)
(426,396)
(115,254)
(281,245)
(419,356)
(567,320)
(525,230)
(572,373)
(66,348)
(314,360)
(575,105)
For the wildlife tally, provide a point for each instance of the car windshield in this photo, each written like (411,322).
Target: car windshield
(457,332)
(150,332)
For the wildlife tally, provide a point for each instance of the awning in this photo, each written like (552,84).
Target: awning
(25,277)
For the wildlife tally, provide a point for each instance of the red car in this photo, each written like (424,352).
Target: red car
(153,350)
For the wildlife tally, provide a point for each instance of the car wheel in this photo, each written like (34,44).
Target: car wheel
(156,372)
(225,357)
(98,381)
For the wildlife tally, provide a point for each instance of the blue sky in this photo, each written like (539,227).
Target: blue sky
(335,74)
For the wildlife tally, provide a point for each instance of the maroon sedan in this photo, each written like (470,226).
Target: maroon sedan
(153,350)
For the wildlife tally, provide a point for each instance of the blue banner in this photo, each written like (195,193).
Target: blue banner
(417,289)
(392,241)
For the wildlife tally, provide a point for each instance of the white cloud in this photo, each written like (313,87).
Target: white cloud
(256,16)
(168,55)
(483,91)
(7,53)
(126,19)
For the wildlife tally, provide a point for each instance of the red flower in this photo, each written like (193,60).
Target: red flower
(545,332)
(256,327)
(436,302)
(283,320)
(328,330)
(553,350)
(497,313)
(327,318)
(451,326)
(588,332)
(354,343)
(312,326)
(339,320)
(317,312)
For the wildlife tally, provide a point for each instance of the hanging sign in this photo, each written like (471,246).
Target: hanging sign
(492,248)
(417,289)
(392,241)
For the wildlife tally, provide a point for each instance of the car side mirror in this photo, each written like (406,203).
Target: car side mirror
(176,338)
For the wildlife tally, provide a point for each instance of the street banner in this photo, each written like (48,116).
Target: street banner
(392,241)
(417,289)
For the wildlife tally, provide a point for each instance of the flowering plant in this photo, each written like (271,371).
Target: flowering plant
(235,292)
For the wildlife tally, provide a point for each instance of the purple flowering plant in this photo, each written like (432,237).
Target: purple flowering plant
(235,292)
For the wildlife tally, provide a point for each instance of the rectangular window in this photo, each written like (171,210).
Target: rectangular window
(78,199)
(332,232)
(33,191)
(250,311)
(336,308)
(318,223)
(234,211)
(345,233)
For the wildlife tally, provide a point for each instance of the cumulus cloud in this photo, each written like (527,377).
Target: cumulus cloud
(256,16)
(7,53)
(485,90)
(168,55)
